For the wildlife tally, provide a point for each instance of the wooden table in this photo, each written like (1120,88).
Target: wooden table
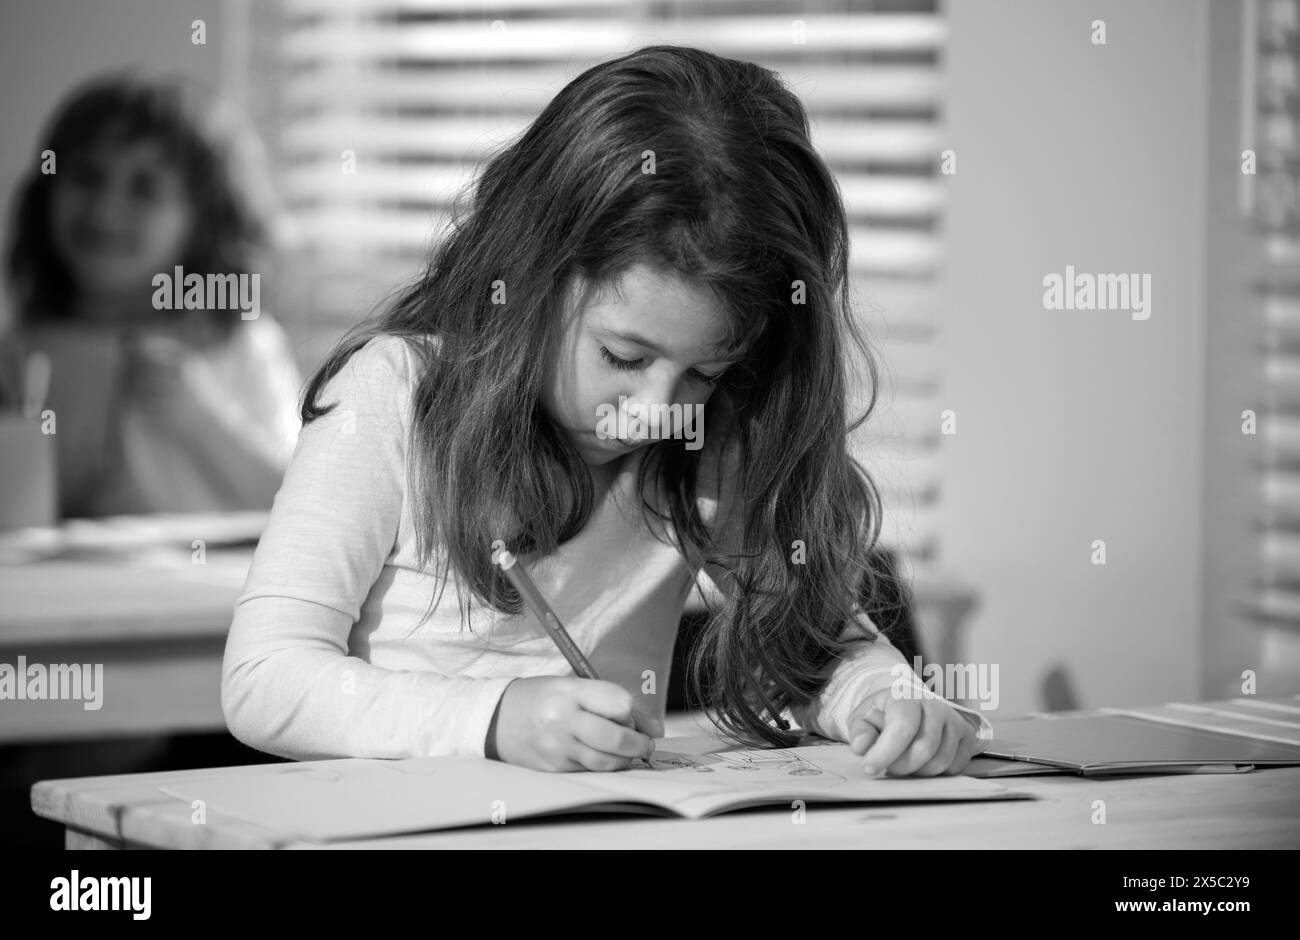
(1259,809)
(154,619)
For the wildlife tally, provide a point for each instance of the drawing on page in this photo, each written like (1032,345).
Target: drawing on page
(670,761)
(761,766)
(777,761)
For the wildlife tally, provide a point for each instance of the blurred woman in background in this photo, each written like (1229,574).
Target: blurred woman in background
(157,409)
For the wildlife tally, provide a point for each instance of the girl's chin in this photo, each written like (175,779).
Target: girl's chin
(597,452)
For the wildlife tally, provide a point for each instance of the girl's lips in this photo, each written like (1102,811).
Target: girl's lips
(612,443)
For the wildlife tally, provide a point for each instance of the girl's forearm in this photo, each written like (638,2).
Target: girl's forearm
(289,687)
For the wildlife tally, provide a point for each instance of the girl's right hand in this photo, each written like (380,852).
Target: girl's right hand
(565,724)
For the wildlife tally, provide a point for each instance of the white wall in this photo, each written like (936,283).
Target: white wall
(1077,425)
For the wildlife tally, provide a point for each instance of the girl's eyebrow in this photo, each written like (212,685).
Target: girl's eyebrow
(655,348)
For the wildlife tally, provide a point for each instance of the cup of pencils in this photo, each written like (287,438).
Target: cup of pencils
(28,469)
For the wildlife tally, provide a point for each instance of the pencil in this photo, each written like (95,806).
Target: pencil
(542,611)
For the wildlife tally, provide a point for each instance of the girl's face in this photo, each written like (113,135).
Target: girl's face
(658,345)
(119,215)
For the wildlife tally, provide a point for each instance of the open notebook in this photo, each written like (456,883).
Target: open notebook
(323,801)
(1205,737)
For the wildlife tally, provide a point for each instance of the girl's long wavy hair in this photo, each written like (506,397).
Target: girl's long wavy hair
(220,158)
(738,203)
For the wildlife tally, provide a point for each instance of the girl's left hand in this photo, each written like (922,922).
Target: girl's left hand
(922,737)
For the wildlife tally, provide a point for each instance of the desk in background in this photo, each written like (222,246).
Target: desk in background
(124,592)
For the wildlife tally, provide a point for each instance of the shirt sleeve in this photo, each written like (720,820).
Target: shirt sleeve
(289,685)
(866,668)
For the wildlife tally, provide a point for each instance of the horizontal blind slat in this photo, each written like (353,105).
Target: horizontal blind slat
(467,7)
(1282,492)
(551,39)
(864,196)
(503,8)
(1280,435)
(893,252)
(1282,313)
(1282,373)
(839,141)
(1280,553)
(1277,604)
(528,88)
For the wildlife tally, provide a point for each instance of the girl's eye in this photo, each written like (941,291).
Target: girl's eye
(631,364)
(617,363)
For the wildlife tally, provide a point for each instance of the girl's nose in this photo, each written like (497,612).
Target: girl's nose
(651,406)
(658,390)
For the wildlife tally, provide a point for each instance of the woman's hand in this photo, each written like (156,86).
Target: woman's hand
(922,737)
(170,381)
(553,723)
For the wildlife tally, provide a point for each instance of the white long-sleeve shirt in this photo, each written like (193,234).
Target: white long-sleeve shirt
(324,659)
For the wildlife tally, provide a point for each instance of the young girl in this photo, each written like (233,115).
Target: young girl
(663,234)
(156,409)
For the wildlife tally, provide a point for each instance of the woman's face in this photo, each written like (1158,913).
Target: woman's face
(660,344)
(120,215)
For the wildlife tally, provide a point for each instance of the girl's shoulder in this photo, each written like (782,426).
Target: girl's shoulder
(383,371)
(404,343)
(398,354)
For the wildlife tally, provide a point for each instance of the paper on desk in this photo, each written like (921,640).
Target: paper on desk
(989,767)
(1236,718)
(331,800)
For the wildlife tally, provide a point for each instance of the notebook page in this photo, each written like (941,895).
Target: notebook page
(323,801)
(698,785)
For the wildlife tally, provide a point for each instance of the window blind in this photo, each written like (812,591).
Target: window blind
(421,91)
(1278,597)
(1272,196)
